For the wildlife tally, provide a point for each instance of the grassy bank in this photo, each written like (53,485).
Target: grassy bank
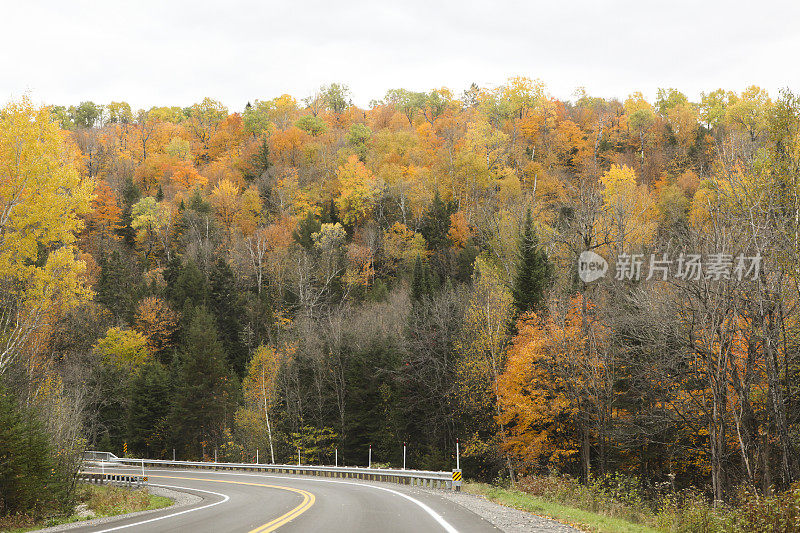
(580,518)
(615,504)
(94,501)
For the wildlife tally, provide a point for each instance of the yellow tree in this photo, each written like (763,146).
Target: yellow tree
(268,250)
(249,210)
(260,383)
(156,320)
(532,399)
(628,208)
(42,198)
(480,161)
(236,209)
(358,191)
(749,112)
(556,389)
(105,219)
(640,117)
(202,123)
(482,346)
(401,246)
(225,199)
(152,221)
(124,348)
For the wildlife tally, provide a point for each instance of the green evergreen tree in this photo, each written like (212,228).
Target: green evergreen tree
(379,292)
(226,304)
(465,261)
(305,229)
(261,160)
(115,288)
(32,480)
(109,406)
(171,273)
(130,195)
(372,418)
(147,410)
(330,215)
(534,272)
(436,223)
(205,389)
(199,204)
(420,281)
(185,283)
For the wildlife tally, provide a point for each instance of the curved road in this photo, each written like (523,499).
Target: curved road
(256,502)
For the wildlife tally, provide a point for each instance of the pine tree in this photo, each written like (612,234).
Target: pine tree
(330,215)
(205,387)
(305,229)
(534,272)
(465,261)
(420,281)
(114,288)
(226,305)
(261,161)
(199,204)
(185,283)
(130,195)
(32,480)
(436,223)
(148,409)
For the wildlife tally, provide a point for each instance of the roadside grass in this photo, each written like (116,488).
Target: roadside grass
(579,518)
(110,501)
(613,503)
(102,500)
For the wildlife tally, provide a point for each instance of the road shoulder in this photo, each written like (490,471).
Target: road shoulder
(504,518)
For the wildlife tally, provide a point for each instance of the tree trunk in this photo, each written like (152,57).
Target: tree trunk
(269,433)
(586,468)
(777,406)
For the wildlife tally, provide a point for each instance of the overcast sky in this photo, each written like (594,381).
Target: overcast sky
(171,52)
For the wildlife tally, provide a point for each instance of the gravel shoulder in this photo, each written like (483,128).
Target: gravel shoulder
(505,518)
(179,499)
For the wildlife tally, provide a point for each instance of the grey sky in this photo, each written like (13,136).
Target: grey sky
(172,52)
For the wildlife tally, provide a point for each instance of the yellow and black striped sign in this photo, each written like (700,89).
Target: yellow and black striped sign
(457,475)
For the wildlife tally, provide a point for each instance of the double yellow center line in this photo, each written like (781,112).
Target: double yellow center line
(308,501)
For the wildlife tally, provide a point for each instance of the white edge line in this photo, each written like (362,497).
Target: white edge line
(436,516)
(224,496)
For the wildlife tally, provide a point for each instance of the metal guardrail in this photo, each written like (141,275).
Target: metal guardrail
(91,455)
(420,478)
(117,479)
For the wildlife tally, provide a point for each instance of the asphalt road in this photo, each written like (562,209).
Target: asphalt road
(256,502)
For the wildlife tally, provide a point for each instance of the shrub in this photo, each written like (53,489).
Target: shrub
(614,495)
(779,513)
(689,511)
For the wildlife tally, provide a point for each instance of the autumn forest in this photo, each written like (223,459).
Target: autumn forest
(305,274)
